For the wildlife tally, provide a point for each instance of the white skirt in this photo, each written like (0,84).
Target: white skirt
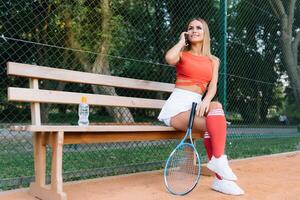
(179,101)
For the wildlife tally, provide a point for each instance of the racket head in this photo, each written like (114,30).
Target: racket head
(181,174)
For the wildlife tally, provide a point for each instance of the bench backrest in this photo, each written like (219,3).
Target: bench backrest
(35,96)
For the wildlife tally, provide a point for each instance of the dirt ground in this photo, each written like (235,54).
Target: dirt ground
(275,177)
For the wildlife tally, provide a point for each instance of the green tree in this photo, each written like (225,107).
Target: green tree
(286,11)
(253,66)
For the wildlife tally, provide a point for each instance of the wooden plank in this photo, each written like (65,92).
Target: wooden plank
(45,193)
(56,161)
(95,128)
(61,97)
(38,188)
(35,107)
(96,137)
(41,72)
(39,158)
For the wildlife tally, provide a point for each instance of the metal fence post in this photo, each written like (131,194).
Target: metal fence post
(223,54)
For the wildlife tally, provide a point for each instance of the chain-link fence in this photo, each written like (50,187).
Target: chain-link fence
(129,38)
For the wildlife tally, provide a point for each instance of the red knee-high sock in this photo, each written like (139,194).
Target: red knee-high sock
(208,147)
(216,127)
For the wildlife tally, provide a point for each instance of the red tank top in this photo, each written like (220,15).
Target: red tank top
(195,70)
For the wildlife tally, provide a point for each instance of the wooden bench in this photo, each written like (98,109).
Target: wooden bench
(58,135)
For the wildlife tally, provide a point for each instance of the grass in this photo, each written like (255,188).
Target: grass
(87,161)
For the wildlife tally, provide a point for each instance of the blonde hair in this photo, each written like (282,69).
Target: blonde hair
(206,50)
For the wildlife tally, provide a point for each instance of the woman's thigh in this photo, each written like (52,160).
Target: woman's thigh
(180,122)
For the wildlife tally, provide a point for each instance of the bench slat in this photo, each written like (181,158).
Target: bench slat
(92,128)
(89,137)
(108,133)
(49,73)
(62,97)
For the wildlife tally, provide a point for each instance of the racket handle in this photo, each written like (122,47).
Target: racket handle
(192,115)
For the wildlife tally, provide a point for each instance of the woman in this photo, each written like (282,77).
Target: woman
(197,73)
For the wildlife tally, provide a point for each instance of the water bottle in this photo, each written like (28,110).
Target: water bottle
(83,112)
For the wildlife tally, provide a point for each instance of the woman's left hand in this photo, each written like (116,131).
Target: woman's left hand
(203,108)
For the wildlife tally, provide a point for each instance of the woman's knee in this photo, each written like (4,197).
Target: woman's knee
(200,124)
(180,122)
(215,105)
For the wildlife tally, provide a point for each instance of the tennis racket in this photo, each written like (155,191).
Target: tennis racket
(182,169)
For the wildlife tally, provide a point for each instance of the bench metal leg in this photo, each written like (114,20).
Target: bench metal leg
(38,188)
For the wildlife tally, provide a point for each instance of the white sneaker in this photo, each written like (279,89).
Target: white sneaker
(227,187)
(221,167)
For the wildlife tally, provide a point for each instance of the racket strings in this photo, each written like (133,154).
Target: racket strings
(182,172)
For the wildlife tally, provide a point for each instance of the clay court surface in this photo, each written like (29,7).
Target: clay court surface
(267,177)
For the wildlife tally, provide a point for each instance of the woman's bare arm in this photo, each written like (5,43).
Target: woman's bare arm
(173,55)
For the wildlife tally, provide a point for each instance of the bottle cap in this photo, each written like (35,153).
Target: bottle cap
(83,99)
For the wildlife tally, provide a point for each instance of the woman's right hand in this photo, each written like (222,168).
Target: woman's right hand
(182,38)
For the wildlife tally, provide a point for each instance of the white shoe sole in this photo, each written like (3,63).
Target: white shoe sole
(227,187)
(234,194)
